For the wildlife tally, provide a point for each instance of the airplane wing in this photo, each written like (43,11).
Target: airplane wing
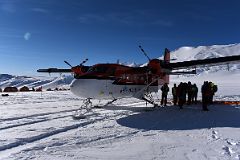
(204,62)
(54,70)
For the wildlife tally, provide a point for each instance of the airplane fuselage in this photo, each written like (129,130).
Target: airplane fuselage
(111,81)
(106,89)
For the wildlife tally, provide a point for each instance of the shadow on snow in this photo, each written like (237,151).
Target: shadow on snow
(191,117)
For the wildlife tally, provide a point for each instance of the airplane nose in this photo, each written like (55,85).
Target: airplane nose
(74,86)
(78,87)
(85,88)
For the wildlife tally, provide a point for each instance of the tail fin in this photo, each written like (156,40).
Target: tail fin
(166,60)
(166,56)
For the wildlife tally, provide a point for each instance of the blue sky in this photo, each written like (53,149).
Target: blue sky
(39,34)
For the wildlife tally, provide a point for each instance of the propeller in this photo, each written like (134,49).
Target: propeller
(84,61)
(68,64)
(81,64)
(144,52)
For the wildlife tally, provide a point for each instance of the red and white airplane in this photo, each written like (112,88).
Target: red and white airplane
(115,81)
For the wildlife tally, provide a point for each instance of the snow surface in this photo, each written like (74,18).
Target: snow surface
(40,126)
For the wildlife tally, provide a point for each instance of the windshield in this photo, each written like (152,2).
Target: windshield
(98,69)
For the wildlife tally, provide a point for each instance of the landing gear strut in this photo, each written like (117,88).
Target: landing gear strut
(87,103)
(110,102)
(149,99)
(85,108)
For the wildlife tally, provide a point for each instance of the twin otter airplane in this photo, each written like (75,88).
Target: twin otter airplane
(115,81)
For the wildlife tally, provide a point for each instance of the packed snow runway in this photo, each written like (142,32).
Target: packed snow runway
(40,126)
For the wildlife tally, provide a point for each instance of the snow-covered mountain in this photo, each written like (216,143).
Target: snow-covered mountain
(133,64)
(46,82)
(181,54)
(205,52)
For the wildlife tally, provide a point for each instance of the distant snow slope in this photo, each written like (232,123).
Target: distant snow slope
(206,52)
(46,82)
(203,52)
(181,54)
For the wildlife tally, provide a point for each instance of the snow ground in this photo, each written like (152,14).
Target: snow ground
(40,126)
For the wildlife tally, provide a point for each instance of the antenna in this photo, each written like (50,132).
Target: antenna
(145,54)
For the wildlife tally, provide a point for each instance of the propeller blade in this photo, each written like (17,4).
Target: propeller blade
(68,64)
(145,54)
(84,61)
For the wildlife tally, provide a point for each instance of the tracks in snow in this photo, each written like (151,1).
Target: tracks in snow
(27,140)
(230,148)
(92,118)
(34,115)
(34,118)
(41,117)
(32,122)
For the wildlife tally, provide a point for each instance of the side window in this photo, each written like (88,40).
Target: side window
(135,78)
(124,76)
(90,69)
(111,71)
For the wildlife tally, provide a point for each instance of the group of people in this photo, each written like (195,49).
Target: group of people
(188,93)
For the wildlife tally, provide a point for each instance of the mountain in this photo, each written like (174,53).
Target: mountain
(181,54)
(133,64)
(46,82)
(205,52)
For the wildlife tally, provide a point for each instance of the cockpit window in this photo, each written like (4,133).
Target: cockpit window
(98,69)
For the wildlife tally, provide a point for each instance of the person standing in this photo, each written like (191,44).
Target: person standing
(206,94)
(174,93)
(189,92)
(181,93)
(214,89)
(195,93)
(165,90)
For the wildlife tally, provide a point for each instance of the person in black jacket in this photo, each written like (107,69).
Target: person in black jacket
(189,92)
(206,95)
(165,90)
(181,93)
(195,93)
(174,93)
